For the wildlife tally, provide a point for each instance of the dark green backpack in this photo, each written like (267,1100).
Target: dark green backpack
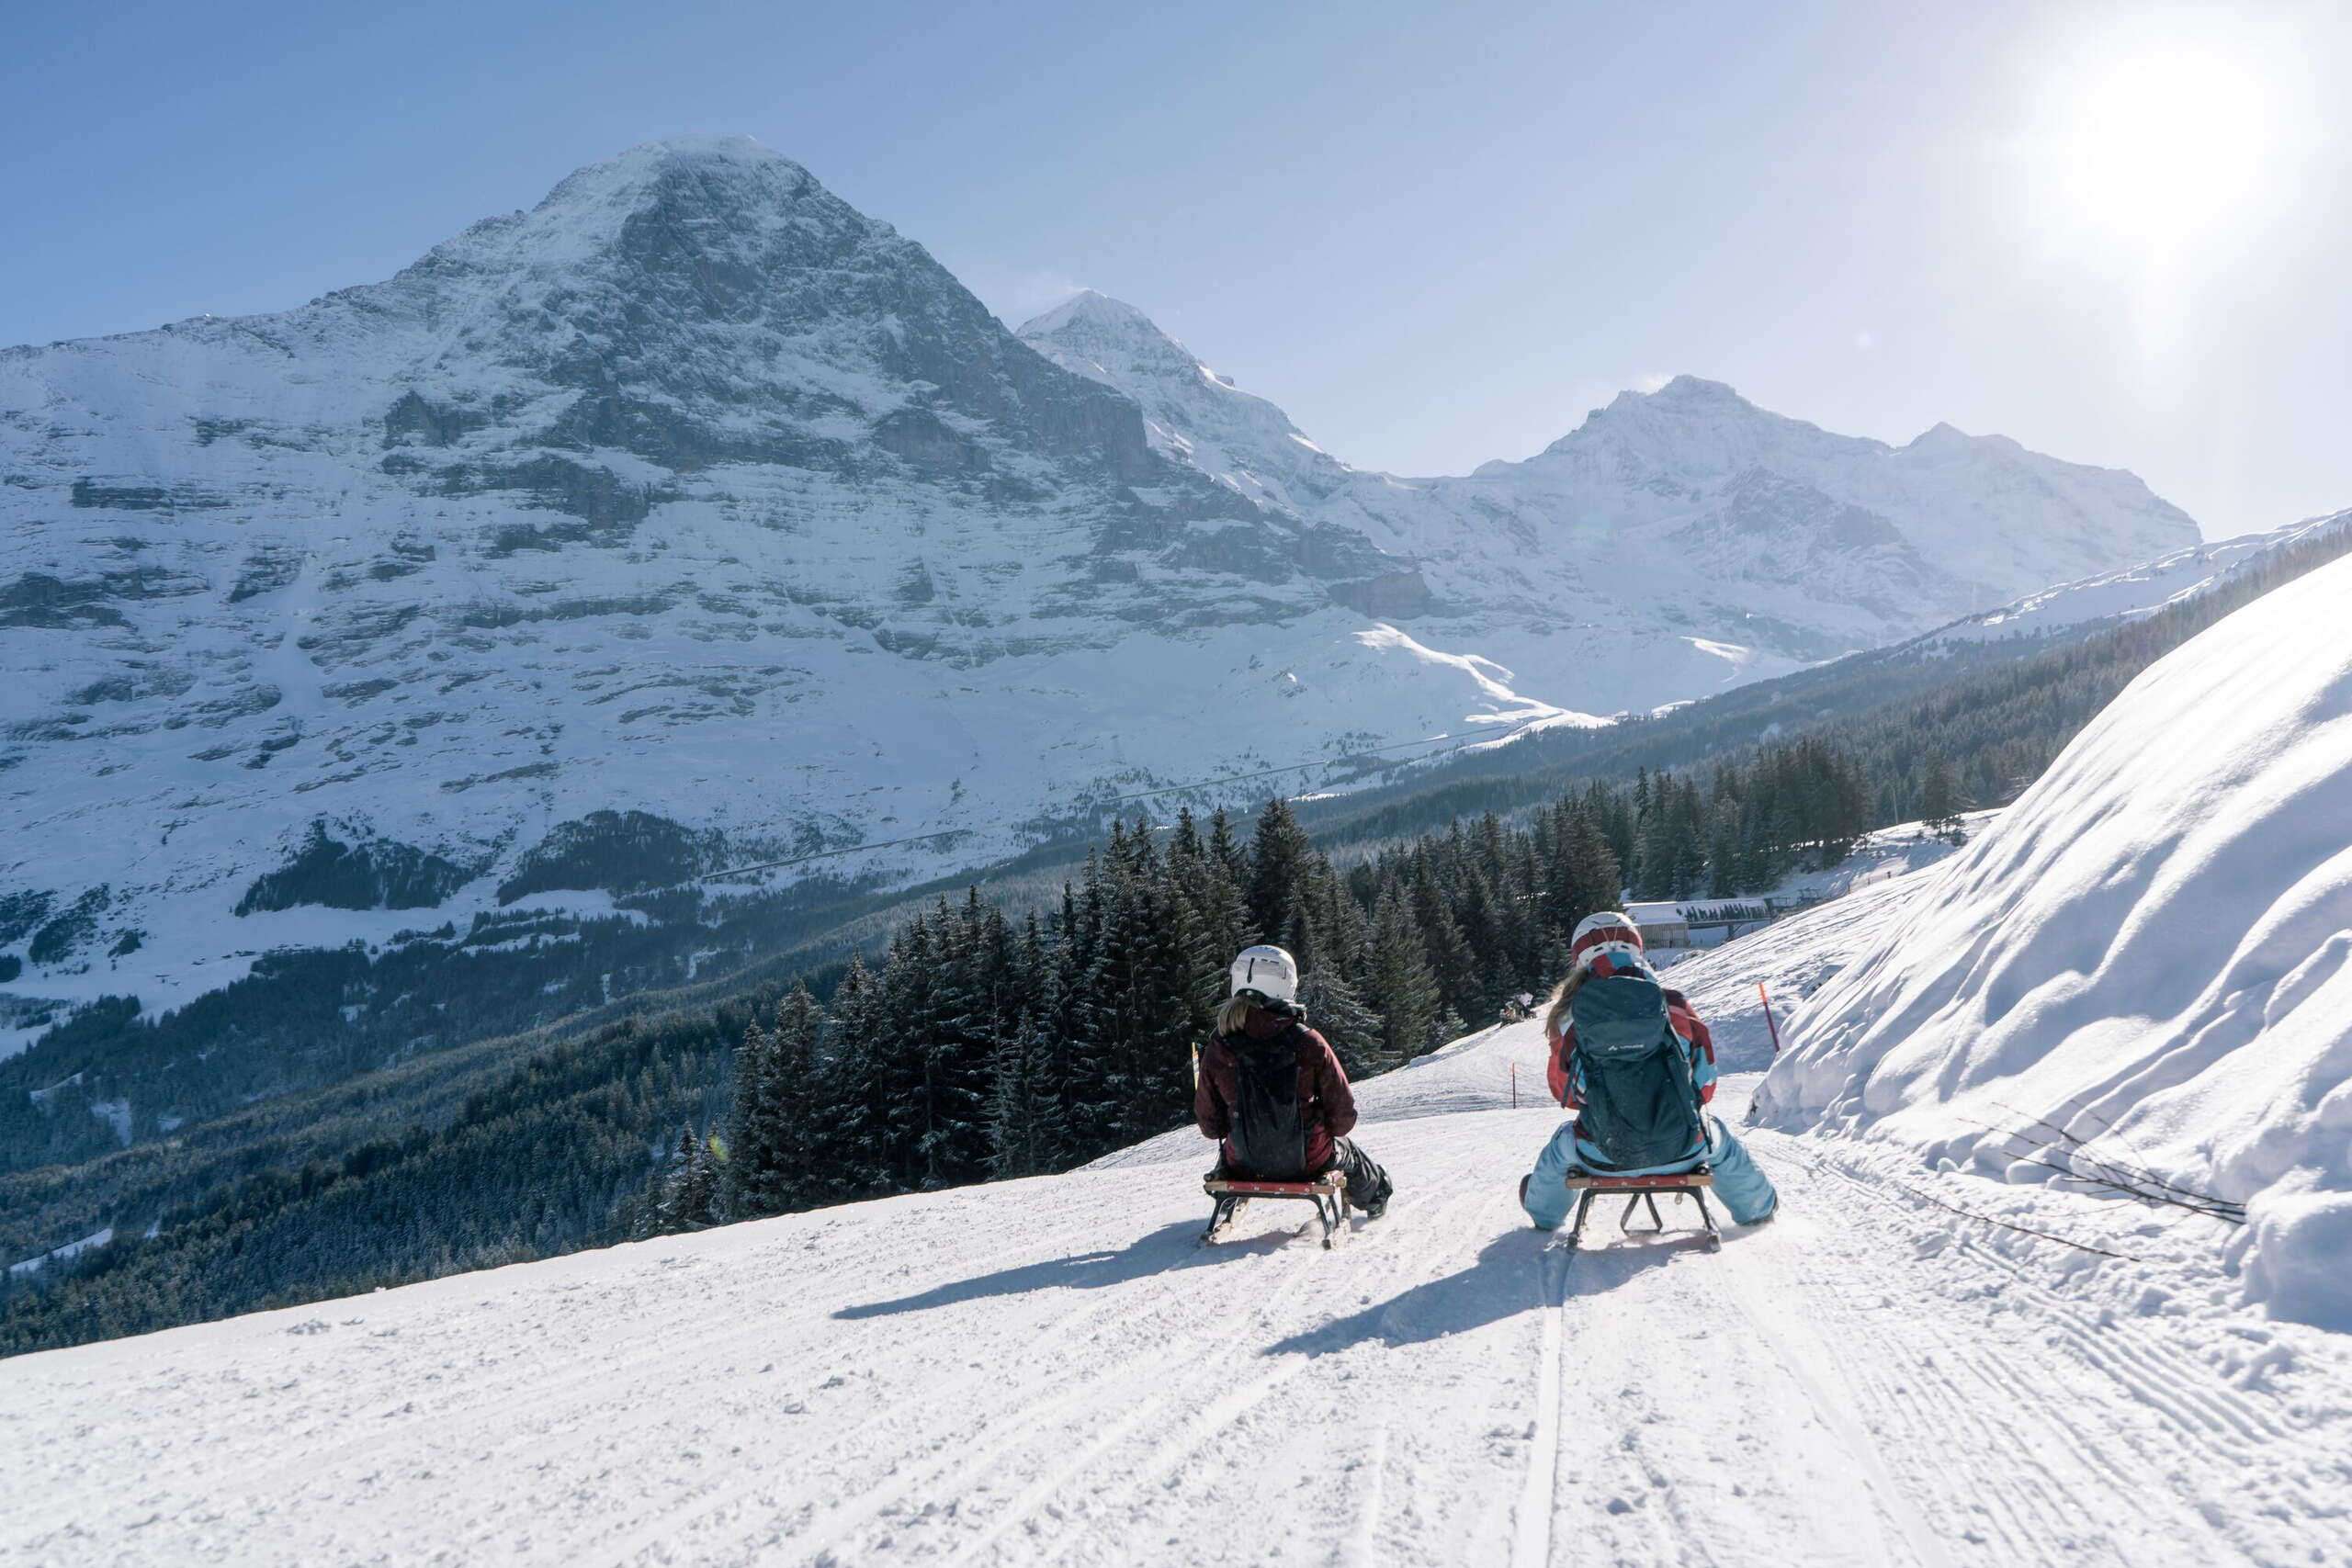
(1641,1100)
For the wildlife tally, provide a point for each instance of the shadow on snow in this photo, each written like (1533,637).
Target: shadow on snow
(1506,1281)
(1167,1250)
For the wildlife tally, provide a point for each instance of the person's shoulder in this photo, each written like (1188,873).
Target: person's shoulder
(1308,1038)
(1675,999)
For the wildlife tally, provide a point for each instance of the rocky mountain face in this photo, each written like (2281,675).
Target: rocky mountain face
(693,517)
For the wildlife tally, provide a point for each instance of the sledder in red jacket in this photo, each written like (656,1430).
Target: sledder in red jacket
(1272,1094)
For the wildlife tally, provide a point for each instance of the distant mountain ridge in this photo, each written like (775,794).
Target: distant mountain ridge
(693,516)
(1771,531)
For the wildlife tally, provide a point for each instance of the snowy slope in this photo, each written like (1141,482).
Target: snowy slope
(1049,1372)
(2138,591)
(2147,954)
(1791,959)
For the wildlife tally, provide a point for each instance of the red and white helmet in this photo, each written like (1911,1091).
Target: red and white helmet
(1268,972)
(1607,925)
(1608,959)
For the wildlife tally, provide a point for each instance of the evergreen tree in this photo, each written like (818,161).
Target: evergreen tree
(1399,986)
(1225,849)
(1279,858)
(1025,1106)
(689,1186)
(1690,834)
(745,1178)
(1593,882)
(855,1131)
(1939,796)
(1336,1011)
(1453,965)
(775,1132)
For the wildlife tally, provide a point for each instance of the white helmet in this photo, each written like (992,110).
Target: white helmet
(1607,925)
(1268,971)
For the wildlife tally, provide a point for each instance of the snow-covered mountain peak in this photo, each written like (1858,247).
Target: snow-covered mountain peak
(1110,341)
(1941,441)
(1783,533)
(1697,418)
(714,183)
(1091,310)
(588,512)
(1688,391)
(1196,416)
(644,170)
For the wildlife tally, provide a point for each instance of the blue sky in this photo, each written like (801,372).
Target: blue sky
(1436,235)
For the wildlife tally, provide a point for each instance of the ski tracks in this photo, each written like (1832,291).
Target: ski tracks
(1827,1391)
(1532,1528)
(1215,1433)
(2150,1432)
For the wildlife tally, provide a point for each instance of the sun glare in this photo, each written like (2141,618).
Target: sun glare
(2163,146)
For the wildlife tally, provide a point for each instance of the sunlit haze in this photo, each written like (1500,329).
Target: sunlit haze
(1435,235)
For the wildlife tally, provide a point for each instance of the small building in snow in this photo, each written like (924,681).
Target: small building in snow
(1697,922)
(1661,925)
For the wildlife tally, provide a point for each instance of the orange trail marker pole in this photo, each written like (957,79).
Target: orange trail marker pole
(1768,1017)
(1514,1086)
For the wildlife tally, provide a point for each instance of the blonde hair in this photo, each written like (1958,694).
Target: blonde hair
(1233,1015)
(1561,995)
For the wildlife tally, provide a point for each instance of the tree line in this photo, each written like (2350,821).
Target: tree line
(981,1046)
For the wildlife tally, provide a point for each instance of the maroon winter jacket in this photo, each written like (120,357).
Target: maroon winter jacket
(1327,1107)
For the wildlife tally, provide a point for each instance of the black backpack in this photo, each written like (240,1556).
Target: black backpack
(1269,1133)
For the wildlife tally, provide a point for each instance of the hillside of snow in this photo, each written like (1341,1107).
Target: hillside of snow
(2148,960)
(2138,591)
(1051,1372)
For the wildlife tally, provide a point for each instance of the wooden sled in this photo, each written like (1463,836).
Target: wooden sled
(1328,1192)
(1638,1190)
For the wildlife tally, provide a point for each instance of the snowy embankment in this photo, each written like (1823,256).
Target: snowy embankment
(1794,957)
(1050,1371)
(2143,968)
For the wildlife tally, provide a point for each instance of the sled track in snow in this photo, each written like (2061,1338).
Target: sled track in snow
(2211,1440)
(1050,1374)
(1530,1545)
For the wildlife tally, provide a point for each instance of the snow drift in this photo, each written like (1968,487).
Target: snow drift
(2148,952)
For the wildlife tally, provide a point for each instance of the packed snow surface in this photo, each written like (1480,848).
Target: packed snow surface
(2146,957)
(1050,1371)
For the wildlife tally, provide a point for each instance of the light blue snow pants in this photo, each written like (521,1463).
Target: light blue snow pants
(1745,1190)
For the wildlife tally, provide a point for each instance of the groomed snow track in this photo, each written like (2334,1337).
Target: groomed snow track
(1051,1372)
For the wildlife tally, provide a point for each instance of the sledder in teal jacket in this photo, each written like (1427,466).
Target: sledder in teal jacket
(1640,1114)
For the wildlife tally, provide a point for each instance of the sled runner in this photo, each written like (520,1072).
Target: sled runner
(1328,1192)
(1638,1190)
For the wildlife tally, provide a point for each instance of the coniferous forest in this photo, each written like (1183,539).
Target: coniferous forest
(980,1047)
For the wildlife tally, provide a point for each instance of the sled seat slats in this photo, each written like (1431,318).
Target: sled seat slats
(1322,1187)
(1641,1183)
